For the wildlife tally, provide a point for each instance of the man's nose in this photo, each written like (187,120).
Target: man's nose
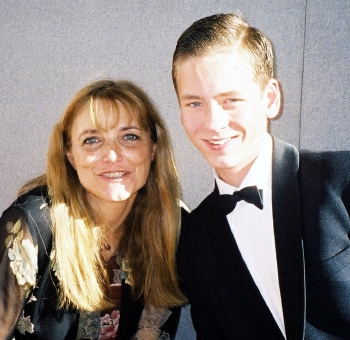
(216,117)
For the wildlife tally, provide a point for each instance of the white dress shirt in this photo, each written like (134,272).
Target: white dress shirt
(254,234)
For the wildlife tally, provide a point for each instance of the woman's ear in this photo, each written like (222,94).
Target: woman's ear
(71,159)
(154,147)
(272,94)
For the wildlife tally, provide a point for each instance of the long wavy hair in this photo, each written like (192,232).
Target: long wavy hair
(151,229)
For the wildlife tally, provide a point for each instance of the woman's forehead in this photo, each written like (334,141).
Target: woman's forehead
(106,113)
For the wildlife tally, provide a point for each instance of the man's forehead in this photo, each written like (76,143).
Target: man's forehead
(234,58)
(219,65)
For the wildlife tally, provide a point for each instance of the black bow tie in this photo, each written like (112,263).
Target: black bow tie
(227,203)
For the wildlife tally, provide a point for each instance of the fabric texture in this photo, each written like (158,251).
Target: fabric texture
(28,300)
(227,203)
(311,227)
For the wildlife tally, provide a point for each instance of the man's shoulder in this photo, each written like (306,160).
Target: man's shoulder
(198,217)
(307,156)
(194,231)
(333,166)
(283,148)
(203,207)
(325,155)
(330,158)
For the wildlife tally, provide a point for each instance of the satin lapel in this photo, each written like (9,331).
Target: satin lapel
(247,299)
(288,237)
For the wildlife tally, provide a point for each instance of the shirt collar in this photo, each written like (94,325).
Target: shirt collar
(259,174)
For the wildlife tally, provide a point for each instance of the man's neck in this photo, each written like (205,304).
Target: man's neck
(235,177)
(258,169)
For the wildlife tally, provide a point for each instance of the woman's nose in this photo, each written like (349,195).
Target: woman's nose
(111,152)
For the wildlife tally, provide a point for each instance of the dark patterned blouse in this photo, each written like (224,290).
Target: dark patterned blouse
(29,277)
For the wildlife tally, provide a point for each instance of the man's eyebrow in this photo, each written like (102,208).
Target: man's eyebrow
(219,95)
(228,94)
(190,97)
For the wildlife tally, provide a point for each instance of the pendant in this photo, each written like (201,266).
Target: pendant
(107,246)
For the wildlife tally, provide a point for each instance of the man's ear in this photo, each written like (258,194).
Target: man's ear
(272,94)
(71,159)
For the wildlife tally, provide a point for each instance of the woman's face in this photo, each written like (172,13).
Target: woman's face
(114,163)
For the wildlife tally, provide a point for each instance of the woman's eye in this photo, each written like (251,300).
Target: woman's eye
(91,140)
(130,137)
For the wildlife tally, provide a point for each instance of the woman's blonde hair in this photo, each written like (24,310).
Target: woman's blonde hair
(151,229)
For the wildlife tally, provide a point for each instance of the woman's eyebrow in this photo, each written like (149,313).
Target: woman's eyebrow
(124,128)
(87,131)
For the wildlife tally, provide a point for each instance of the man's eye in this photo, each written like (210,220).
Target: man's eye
(91,140)
(195,104)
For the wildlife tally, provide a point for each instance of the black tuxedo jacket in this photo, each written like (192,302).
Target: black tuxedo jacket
(311,204)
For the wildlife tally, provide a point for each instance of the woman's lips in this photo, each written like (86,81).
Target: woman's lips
(115,174)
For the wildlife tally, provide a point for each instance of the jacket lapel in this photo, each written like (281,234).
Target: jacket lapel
(288,238)
(246,297)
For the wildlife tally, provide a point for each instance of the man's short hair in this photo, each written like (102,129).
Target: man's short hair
(226,31)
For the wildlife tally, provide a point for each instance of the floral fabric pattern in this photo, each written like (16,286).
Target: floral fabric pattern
(24,265)
(23,255)
(24,325)
(53,263)
(25,224)
(151,321)
(126,272)
(103,325)
(97,327)
(109,325)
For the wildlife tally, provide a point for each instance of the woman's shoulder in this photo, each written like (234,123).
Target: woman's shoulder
(32,206)
(28,206)
(28,217)
(32,199)
(22,233)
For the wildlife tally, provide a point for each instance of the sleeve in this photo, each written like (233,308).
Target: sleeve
(152,319)
(18,270)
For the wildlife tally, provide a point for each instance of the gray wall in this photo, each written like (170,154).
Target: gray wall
(50,49)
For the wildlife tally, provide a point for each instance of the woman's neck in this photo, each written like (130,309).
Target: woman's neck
(110,217)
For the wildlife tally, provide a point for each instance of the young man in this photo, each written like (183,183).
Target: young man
(249,262)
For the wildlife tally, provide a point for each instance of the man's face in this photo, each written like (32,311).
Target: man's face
(224,111)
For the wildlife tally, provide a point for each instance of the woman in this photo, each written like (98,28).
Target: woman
(90,245)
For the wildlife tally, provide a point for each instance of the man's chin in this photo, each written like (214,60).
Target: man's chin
(222,164)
